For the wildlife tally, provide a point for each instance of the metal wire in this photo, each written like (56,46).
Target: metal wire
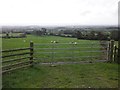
(68,57)
(39,44)
(68,52)
(74,49)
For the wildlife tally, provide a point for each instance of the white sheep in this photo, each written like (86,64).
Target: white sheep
(75,43)
(54,42)
(24,40)
(51,41)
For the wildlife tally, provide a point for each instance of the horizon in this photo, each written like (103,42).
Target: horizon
(54,25)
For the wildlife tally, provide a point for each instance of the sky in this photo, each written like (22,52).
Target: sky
(59,12)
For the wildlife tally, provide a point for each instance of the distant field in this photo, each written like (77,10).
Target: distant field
(24,42)
(98,75)
(11,34)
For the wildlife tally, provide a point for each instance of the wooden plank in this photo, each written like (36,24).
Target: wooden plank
(15,64)
(5,61)
(17,49)
(5,71)
(15,55)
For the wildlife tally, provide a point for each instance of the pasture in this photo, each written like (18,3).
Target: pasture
(89,75)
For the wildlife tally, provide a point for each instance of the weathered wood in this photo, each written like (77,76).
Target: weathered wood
(10,66)
(108,52)
(16,55)
(31,52)
(17,49)
(5,61)
(111,50)
(119,48)
(5,71)
(115,53)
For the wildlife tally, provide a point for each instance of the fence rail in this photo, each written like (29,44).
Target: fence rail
(16,49)
(54,51)
(19,62)
(11,60)
(16,54)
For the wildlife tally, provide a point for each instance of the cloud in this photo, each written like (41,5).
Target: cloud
(52,12)
(84,13)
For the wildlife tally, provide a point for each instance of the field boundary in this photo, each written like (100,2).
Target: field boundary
(111,49)
(73,50)
(62,63)
(17,62)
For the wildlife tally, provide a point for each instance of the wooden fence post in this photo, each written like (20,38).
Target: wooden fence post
(111,50)
(108,52)
(115,53)
(119,50)
(31,53)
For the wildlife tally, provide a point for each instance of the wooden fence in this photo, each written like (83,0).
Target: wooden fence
(113,52)
(16,63)
(27,59)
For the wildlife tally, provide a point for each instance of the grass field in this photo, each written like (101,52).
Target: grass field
(24,42)
(72,53)
(100,75)
(63,76)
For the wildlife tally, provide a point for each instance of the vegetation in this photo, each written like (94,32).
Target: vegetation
(98,75)
(82,45)
(13,35)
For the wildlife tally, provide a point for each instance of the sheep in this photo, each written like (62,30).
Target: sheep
(55,42)
(24,40)
(75,43)
(51,41)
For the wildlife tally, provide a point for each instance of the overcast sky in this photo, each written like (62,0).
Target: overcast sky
(59,12)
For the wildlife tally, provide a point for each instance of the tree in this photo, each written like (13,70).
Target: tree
(7,35)
(92,35)
(79,35)
(44,31)
(114,35)
(102,36)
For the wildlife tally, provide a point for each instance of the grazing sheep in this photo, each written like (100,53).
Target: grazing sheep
(54,42)
(75,43)
(24,40)
(51,41)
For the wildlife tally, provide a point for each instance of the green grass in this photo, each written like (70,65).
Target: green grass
(19,42)
(72,54)
(99,75)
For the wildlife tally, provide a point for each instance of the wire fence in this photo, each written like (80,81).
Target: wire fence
(58,53)
(67,52)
